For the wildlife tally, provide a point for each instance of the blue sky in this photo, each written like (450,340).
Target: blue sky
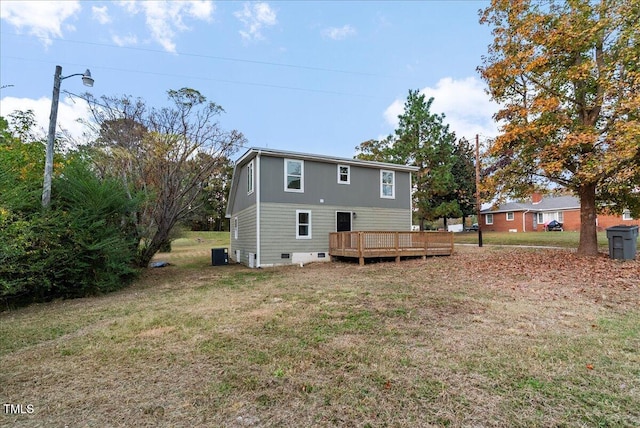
(312,76)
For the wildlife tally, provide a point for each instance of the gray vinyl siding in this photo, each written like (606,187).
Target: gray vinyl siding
(246,241)
(278,227)
(321,182)
(323,196)
(242,199)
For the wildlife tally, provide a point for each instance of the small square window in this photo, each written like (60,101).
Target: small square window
(511,216)
(344,174)
(626,215)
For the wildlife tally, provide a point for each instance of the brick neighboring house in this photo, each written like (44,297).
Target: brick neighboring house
(533,216)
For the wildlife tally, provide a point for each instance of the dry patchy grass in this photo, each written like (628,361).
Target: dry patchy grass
(486,337)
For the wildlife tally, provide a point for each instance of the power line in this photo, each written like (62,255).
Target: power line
(214,57)
(235,82)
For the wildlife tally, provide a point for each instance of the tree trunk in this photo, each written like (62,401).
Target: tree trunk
(160,237)
(588,245)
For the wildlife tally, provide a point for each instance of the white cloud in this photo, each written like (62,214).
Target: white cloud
(202,10)
(43,19)
(468,109)
(100,14)
(255,16)
(165,19)
(128,40)
(341,33)
(69,111)
(393,111)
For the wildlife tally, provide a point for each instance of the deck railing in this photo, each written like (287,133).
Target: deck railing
(367,244)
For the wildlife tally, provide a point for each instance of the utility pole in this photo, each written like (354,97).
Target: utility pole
(478,204)
(87,80)
(48,160)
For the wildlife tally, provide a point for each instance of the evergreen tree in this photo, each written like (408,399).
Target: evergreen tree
(423,139)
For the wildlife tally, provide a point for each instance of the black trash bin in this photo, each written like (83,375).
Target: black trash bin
(622,242)
(219,256)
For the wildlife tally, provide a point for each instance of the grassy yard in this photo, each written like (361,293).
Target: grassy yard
(552,239)
(490,336)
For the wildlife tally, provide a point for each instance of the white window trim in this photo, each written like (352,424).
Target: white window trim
(301,189)
(513,216)
(626,215)
(298,236)
(348,174)
(393,184)
(487,217)
(235,228)
(540,218)
(250,177)
(560,216)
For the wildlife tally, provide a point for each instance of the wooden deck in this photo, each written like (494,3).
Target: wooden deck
(363,245)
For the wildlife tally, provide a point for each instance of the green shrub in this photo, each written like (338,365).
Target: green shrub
(82,245)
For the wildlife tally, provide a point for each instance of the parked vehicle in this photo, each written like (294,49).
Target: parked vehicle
(554,226)
(472,228)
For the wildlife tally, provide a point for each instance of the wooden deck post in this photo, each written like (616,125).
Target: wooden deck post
(450,243)
(361,248)
(396,239)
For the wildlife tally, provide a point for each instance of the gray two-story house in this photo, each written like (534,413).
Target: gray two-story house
(283,205)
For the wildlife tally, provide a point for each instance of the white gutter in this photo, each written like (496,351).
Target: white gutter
(524,220)
(331,159)
(410,203)
(258,184)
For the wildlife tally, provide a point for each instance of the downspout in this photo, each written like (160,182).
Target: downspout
(258,184)
(524,220)
(410,202)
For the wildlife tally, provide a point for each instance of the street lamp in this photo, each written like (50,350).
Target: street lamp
(87,80)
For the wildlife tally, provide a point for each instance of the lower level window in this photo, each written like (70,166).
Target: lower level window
(235,228)
(488,219)
(303,224)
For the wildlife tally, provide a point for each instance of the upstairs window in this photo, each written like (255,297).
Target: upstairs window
(293,175)
(344,174)
(387,184)
(250,178)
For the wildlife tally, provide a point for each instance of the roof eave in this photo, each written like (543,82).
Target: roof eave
(323,158)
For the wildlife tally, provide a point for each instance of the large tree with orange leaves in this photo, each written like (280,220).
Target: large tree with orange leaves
(567,76)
